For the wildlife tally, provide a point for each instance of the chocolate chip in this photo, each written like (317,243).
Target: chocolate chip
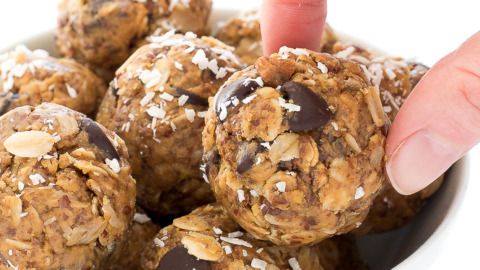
(239,89)
(97,137)
(313,114)
(245,163)
(211,159)
(179,259)
(193,99)
(246,157)
(6,101)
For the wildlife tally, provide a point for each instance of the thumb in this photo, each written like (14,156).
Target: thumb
(292,23)
(439,122)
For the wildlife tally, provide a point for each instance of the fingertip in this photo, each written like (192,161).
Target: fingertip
(292,23)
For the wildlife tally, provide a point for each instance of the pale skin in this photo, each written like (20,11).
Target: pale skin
(439,122)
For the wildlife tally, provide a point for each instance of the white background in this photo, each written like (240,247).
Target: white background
(421,29)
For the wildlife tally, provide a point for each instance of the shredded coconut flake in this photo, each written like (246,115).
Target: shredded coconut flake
(258,264)
(322,67)
(240,195)
(228,249)
(158,242)
(281,186)
(236,241)
(71,91)
(217,230)
(200,59)
(156,112)
(178,66)
(113,164)
(235,234)
(147,98)
(190,114)
(254,193)
(182,100)
(266,145)
(150,77)
(37,179)
(141,218)
(288,106)
(346,52)
(359,193)
(294,264)
(166,96)
(249,99)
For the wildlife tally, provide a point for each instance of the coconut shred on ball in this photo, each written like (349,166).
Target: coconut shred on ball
(157,104)
(294,146)
(33,77)
(67,196)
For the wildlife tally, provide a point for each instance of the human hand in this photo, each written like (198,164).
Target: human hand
(439,122)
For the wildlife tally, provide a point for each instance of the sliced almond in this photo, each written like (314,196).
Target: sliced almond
(285,148)
(29,144)
(203,247)
(68,125)
(191,223)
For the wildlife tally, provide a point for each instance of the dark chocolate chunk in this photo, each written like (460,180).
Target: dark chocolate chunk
(244,163)
(179,259)
(246,157)
(239,89)
(97,137)
(193,99)
(313,114)
(6,101)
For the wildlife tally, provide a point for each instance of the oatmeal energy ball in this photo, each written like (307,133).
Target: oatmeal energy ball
(102,34)
(157,104)
(294,147)
(396,79)
(32,77)
(127,254)
(207,239)
(66,196)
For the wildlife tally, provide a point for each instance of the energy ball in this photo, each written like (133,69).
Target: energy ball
(157,104)
(294,147)
(243,33)
(33,77)
(102,34)
(67,196)
(207,239)
(128,253)
(396,79)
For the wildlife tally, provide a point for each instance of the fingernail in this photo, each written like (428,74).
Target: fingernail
(419,160)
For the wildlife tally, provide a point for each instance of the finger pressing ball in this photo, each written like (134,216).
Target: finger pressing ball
(395,78)
(66,196)
(243,33)
(294,147)
(102,34)
(157,104)
(33,77)
(208,239)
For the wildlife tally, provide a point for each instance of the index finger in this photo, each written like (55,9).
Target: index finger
(292,23)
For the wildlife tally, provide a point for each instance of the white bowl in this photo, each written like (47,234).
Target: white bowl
(412,247)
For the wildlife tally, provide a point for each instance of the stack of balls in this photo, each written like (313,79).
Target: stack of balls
(203,154)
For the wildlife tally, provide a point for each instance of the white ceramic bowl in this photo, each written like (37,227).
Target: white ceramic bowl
(411,247)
